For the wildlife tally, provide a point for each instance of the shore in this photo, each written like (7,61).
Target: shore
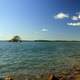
(72,74)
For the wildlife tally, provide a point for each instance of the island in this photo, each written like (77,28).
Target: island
(16,39)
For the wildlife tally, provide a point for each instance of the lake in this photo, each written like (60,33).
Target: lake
(38,57)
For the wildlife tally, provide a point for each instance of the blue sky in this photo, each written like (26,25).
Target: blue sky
(40,19)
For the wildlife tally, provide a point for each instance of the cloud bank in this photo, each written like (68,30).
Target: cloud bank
(74,24)
(75,18)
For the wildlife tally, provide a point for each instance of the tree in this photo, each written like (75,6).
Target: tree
(16,39)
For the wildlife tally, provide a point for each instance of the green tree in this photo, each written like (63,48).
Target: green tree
(16,39)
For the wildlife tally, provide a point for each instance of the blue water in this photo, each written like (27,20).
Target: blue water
(38,57)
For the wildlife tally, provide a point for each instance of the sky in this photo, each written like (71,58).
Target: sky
(40,19)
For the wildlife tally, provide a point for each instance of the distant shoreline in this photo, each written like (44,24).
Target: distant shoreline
(43,41)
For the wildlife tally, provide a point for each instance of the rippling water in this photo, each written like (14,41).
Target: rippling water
(38,57)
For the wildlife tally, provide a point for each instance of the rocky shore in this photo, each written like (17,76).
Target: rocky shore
(73,74)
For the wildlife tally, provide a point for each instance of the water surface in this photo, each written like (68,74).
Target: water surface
(38,57)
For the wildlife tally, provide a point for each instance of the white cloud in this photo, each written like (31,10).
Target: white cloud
(78,13)
(75,18)
(79,16)
(74,24)
(44,29)
(61,16)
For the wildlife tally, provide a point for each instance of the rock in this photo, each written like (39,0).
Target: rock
(52,77)
(9,78)
(74,75)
